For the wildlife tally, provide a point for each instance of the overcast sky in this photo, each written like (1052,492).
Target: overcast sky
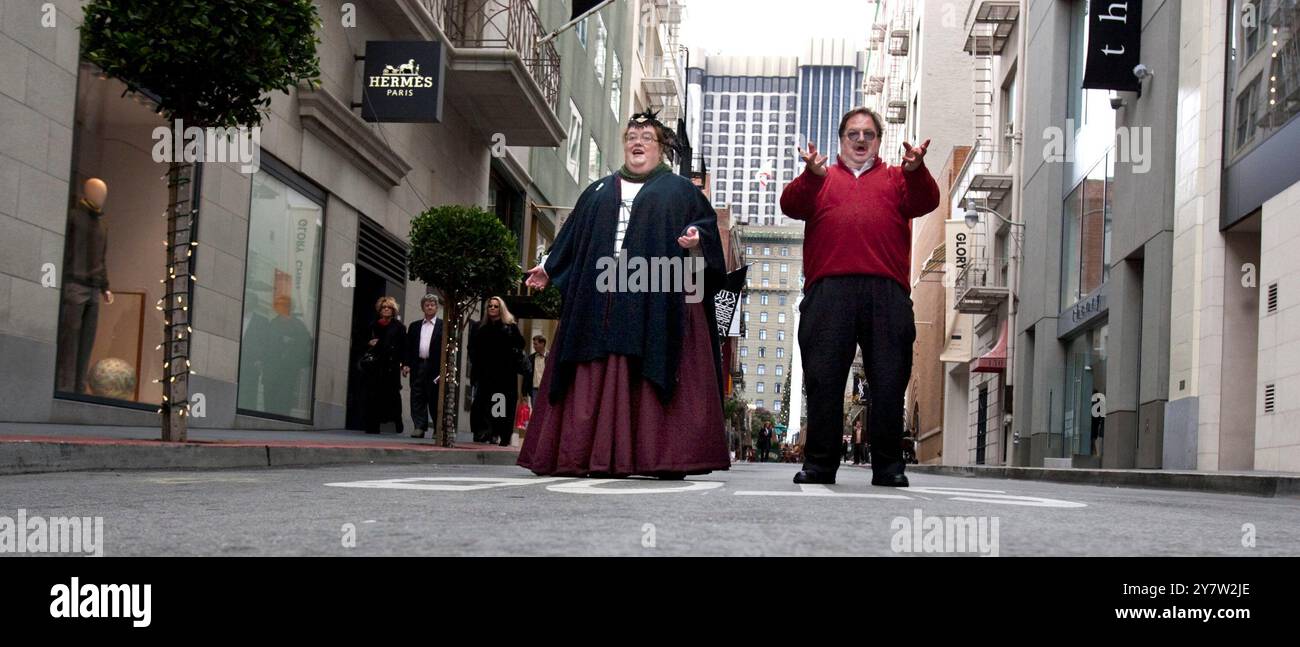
(772,27)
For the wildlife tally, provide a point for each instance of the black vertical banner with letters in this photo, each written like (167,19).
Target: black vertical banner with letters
(1114,45)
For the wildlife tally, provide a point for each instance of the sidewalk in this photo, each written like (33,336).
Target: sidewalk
(35,448)
(1267,484)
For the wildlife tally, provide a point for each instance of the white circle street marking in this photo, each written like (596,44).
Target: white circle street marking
(599,487)
(446,483)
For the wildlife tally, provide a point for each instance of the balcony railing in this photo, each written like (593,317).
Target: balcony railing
(981,287)
(984,176)
(502,24)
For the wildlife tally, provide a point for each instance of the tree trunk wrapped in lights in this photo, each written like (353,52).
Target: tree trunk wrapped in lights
(467,254)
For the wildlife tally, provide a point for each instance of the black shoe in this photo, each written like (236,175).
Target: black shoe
(804,476)
(889,480)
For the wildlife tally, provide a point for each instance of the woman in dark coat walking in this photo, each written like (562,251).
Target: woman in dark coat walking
(384,375)
(495,353)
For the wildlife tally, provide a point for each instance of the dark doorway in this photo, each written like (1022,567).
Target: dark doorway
(381,270)
(981,425)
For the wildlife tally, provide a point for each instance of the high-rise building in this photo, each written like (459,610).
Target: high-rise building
(747,132)
(830,84)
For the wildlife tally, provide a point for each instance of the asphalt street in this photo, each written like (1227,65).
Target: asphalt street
(751,510)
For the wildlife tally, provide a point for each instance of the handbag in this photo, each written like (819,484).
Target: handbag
(367,362)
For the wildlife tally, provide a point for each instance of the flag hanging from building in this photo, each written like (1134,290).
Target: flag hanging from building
(1114,45)
(583,6)
(727,302)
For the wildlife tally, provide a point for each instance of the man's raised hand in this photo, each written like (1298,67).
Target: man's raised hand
(812,161)
(914,156)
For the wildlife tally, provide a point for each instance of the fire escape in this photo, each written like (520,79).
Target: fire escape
(897,84)
(981,286)
(665,83)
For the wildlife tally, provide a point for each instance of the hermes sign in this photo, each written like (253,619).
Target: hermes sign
(403,82)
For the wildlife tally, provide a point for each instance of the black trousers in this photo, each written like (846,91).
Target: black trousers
(837,315)
(424,394)
(383,399)
(77,326)
(492,414)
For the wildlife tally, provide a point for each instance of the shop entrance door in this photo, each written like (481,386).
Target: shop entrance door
(381,271)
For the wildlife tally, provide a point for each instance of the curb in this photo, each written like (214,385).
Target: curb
(1265,485)
(38,457)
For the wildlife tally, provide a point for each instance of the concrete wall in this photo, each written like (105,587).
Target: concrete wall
(38,86)
(1277,434)
(1142,239)
(1047,26)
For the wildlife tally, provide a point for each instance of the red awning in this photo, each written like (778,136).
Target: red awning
(994,361)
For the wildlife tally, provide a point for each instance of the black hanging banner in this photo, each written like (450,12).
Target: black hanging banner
(1114,45)
(403,82)
(727,303)
(582,6)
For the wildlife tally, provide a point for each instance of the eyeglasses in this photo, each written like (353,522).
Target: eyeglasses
(644,139)
(864,135)
(493,305)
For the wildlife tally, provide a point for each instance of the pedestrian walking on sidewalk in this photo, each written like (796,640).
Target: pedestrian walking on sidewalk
(496,355)
(633,385)
(423,365)
(383,369)
(765,437)
(857,260)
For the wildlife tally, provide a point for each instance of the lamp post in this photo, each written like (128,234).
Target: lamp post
(972,217)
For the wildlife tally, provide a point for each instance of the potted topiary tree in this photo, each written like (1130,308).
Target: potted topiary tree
(466,254)
(209,64)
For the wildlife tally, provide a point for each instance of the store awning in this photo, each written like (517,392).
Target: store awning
(994,361)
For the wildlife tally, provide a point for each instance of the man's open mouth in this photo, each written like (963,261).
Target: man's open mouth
(637,150)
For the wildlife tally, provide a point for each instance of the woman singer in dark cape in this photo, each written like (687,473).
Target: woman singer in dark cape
(634,384)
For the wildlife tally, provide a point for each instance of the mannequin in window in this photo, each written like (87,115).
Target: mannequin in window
(85,283)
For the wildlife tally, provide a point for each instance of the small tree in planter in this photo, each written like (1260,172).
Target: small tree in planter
(466,254)
(210,64)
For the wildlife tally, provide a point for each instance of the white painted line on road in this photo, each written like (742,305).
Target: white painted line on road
(997,496)
(600,487)
(812,489)
(447,483)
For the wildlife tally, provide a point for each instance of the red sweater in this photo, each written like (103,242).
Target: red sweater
(860,225)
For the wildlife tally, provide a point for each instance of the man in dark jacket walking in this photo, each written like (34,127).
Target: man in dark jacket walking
(423,365)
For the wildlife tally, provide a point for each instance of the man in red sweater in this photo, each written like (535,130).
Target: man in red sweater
(857,256)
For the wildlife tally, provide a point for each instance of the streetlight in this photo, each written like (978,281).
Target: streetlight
(973,215)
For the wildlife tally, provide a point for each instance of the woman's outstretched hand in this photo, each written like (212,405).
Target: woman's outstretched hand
(691,240)
(537,278)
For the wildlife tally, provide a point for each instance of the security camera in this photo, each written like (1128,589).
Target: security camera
(1116,101)
(1142,72)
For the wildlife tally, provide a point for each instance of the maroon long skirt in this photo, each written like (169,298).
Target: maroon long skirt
(612,423)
